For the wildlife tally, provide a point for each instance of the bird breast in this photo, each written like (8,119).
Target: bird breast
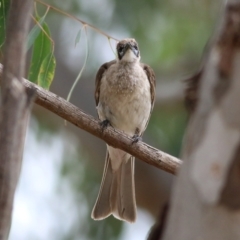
(125,97)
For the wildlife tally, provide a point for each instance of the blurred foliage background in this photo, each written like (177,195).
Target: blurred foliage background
(63,165)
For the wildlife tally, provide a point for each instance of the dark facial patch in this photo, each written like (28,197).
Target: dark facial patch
(135,49)
(120,50)
(124,45)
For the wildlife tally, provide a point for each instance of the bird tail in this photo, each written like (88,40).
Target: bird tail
(117,192)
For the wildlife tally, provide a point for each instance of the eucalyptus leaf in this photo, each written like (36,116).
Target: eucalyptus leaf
(47,71)
(34,33)
(82,69)
(43,61)
(78,37)
(4,7)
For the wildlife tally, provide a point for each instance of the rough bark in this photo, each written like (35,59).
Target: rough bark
(14,112)
(206,199)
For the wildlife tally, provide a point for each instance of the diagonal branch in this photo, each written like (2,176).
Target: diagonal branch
(111,136)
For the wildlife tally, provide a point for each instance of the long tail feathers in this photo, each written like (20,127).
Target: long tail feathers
(117,193)
(102,208)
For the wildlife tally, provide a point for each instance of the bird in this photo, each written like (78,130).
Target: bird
(124,96)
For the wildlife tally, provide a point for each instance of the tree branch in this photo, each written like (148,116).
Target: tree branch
(111,136)
(14,111)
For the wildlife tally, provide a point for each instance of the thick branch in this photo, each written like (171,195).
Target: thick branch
(111,136)
(15,107)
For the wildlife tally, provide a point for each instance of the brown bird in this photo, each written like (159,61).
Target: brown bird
(124,95)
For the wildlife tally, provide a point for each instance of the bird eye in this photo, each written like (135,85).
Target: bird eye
(136,47)
(120,49)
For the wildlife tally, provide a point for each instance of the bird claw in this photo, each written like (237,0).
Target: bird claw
(136,138)
(104,124)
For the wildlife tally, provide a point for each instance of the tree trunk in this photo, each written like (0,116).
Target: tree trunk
(206,200)
(15,109)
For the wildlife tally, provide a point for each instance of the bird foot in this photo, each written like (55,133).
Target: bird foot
(104,124)
(136,138)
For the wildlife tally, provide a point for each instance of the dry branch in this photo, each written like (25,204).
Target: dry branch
(113,137)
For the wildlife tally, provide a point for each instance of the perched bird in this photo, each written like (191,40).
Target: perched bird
(124,95)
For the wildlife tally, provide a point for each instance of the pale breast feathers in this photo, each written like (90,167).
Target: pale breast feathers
(125,95)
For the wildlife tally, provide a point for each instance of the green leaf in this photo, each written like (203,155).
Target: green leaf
(34,33)
(4,7)
(47,71)
(43,61)
(78,37)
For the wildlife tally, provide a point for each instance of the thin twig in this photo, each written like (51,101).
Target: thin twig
(83,67)
(77,19)
(40,26)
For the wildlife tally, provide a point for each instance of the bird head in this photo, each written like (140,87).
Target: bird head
(128,51)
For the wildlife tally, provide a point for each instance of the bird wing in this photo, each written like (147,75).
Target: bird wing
(99,76)
(152,81)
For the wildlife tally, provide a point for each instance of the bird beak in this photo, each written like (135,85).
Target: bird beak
(129,46)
